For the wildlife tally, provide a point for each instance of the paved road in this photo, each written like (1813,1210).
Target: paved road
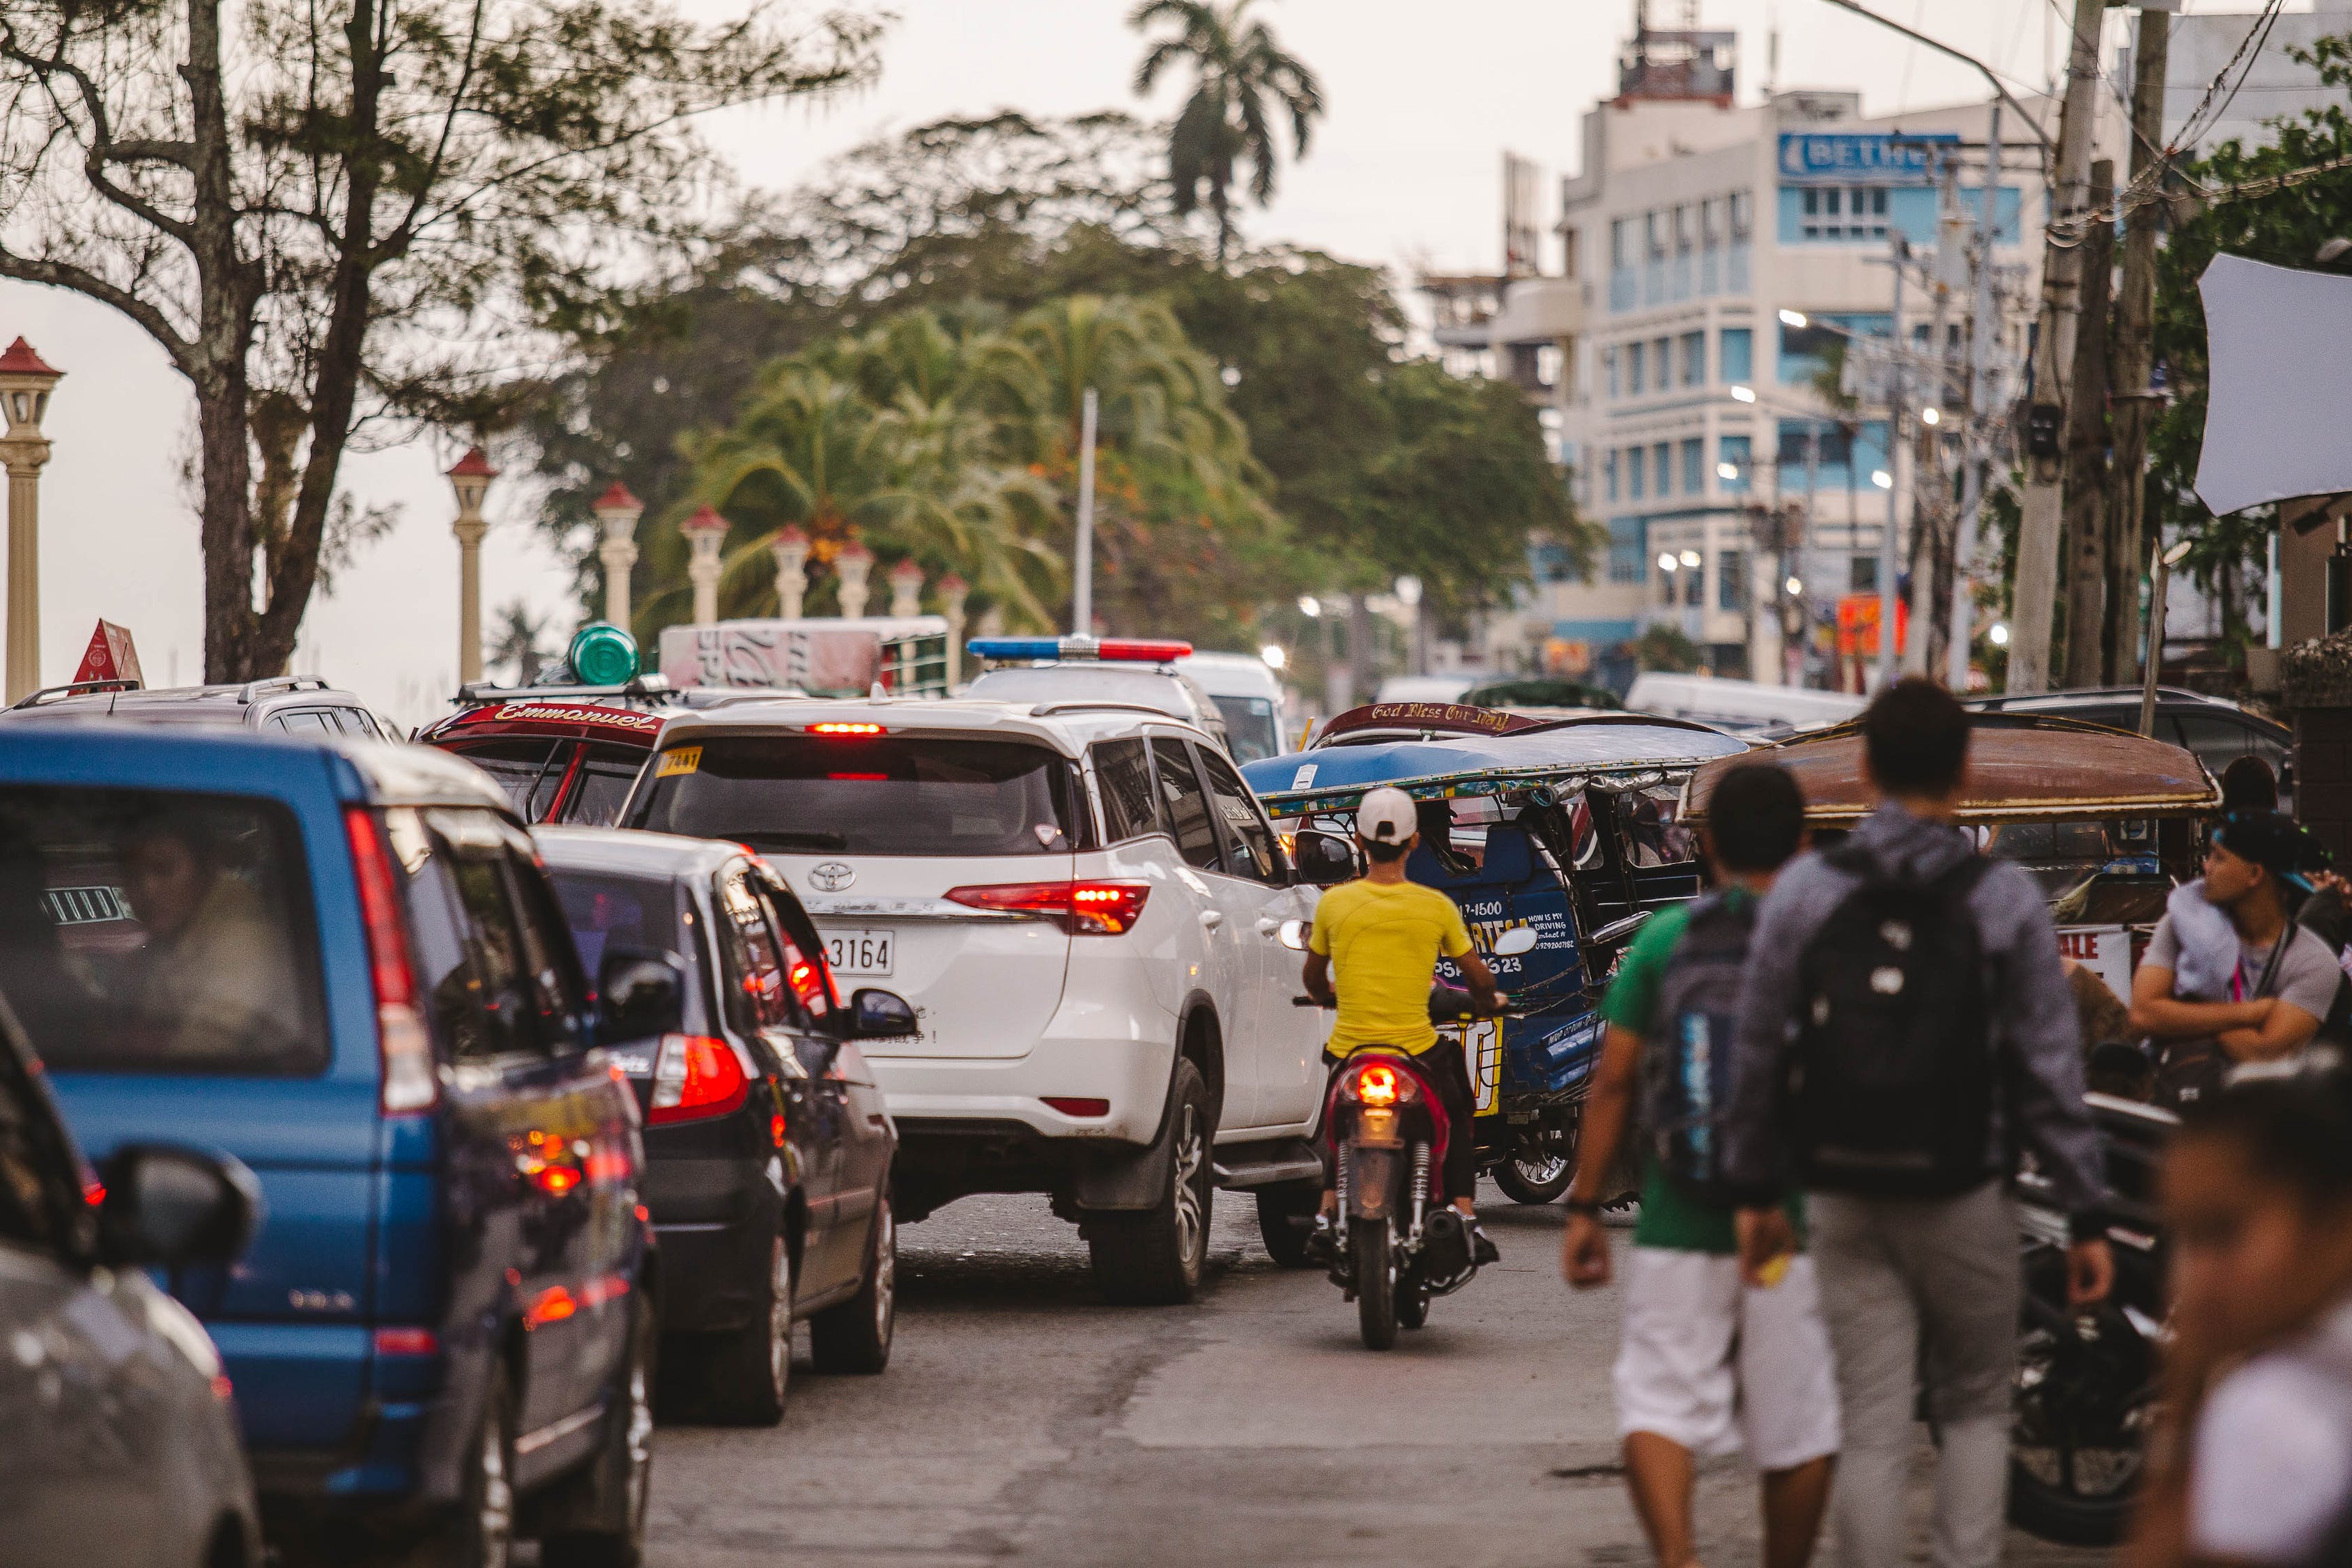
(1023,1421)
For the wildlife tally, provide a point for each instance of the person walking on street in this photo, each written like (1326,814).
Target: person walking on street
(1905,1028)
(1708,1363)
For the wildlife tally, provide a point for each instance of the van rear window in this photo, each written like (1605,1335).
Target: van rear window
(153,930)
(871,794)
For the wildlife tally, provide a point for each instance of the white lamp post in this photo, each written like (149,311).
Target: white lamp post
(25,384)
(706,534)
(617,512)
(470,478)
(855,563)
(791,549)
(953,591)
(907,588)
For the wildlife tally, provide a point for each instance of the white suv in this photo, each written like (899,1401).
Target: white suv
(1085,905)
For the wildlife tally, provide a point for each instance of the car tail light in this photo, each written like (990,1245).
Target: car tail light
(840,728)
(695,1076)
(1069,1105)
(407,1342)
(1085,909)
(410,1084)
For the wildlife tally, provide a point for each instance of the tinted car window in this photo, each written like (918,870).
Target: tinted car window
(1129,796)
(1250,730)
(603,787)
(149,930)
(559,991)
(758,981)
(440,942)
(607,911)
(303,722)
(2218,740)
(882,794)
(529,770)
(1187,806)
(1250,843)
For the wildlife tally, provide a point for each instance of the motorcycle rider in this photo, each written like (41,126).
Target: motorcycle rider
(1373,954)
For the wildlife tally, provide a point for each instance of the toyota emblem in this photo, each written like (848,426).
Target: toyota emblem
(832,877)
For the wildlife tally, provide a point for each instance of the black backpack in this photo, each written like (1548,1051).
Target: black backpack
(1890,1079)
(1686,1065)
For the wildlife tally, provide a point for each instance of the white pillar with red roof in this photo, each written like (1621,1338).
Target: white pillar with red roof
(470,478)
(617,512)
(705,536)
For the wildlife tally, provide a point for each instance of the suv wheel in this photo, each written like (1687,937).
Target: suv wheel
(1279,1208)
(747,1373)
(854,1337)
(1156,1257)
(604,1525)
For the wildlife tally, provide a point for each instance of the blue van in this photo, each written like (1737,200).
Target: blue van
(341,963)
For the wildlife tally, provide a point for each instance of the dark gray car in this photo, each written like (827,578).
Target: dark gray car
(118,1436)
(294,704)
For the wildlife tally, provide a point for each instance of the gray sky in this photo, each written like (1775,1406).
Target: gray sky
(1425,97)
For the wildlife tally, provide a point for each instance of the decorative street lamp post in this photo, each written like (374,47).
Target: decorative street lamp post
(471,480)
(791,549)
(25,384)
(907,588)
(617,510)
(953,591)
(706,534)
(854,563)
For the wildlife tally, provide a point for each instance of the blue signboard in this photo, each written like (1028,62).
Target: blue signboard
(1844,157)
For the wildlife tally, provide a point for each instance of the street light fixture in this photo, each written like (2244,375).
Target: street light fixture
(1274,656)
(1691,558)
(1882,478)
(1407,591)
(1309,606)
(1794,319)
(1728,473)
(1667,562)
(1931,417)
(1743,395)
(1997,635)
(1795,586)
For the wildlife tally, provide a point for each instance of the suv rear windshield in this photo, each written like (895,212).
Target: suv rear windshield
(1250,731)
(151,931)
(878,794)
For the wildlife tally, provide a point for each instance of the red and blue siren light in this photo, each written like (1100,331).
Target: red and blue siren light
(1140,650)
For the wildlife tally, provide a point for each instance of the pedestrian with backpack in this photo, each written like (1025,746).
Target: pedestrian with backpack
(1904,1031)
(1706,1364)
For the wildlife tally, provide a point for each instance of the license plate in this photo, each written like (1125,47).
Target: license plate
(861,953)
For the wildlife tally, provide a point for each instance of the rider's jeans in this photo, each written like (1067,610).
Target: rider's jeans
(1913,1289)
(1444,1066)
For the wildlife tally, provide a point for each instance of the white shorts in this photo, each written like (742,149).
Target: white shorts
(1715,1365)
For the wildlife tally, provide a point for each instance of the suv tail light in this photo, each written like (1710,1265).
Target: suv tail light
(695,1076)
(410,1083)
(1084,909)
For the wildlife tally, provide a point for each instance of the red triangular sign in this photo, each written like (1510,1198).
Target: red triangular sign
(110,655)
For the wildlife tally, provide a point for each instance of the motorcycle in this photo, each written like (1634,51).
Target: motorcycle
(2088,1382)
(1385,1131)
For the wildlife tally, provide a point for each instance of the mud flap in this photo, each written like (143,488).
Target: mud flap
(1371,1177)
(1126,1176)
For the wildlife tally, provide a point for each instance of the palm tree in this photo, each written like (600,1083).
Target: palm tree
(516,635)
(1237,68)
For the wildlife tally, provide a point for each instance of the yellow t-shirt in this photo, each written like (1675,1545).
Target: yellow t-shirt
(1383,940)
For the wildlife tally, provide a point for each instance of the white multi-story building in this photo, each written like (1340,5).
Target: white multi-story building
(1683,396)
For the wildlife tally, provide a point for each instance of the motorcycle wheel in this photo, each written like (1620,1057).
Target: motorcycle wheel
(1375,1281)
(2075,1461)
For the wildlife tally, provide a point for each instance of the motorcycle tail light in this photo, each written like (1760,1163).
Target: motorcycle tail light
(1082,908)
(695,1076)
(1379,1083)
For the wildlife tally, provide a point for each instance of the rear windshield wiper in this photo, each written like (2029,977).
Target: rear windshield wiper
(795,840)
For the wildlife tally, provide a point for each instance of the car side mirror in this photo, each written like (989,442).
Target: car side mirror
(1323,858)
(175,1208)
(878,1015)
(641,994)
(1516,940)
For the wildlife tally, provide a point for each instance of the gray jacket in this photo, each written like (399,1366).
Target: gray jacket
(2040,1087)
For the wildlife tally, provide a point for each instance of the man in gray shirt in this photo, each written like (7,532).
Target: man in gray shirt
(2286,978)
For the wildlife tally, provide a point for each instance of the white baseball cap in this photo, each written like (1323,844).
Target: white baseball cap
(1386,816)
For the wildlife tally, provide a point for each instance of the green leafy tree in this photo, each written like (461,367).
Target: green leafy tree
(515,639)
(337,216)
(1242,79)
(1665,649)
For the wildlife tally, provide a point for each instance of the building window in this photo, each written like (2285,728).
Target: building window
(1730,579)
(1737,354)
(1609,473)
(1629,551)
(1693,467)
(1547,365)
(1636,474)
(1694,359)
(1806,351)
(1654,225)
(1736,455)
(1609,369)
(1743,216)
(1661,458)
(1635,354)
(1662,357)
(1621,274)
(1842,212)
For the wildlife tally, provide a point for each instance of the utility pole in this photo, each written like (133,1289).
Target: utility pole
(1887,598)
(1082,574)
(1984,334)
(1928,533)
(2134,357)
(2035,597)
(2085,507)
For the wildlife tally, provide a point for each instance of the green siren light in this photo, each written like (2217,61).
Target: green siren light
(601,654)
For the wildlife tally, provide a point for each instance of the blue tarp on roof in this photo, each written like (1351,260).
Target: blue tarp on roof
(1318,779)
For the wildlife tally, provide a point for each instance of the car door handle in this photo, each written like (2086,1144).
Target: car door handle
(1212,919)
(1268,927)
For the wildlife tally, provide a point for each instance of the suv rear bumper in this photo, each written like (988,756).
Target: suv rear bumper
(1129,1073)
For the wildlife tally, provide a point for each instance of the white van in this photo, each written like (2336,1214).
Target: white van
(1740,706)
(1248,696)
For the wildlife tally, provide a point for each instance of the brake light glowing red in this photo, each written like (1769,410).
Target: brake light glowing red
(1141,649)
(695,1076)
(1376,1084)
(840,728)
(1069,1105)
(407,1342)
(410,1083)
(1084,909)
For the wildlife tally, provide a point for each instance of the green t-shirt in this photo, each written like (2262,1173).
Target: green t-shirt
(1671,1216)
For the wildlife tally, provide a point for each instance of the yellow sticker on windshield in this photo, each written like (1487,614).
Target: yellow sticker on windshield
(685,759)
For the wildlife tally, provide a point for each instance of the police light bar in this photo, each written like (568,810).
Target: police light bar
(1131,649)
